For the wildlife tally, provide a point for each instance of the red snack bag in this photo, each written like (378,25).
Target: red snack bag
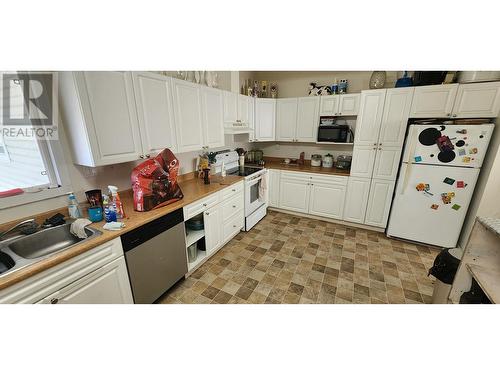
(155,182)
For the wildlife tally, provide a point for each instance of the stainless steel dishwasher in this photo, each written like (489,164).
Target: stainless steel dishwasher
(156,256)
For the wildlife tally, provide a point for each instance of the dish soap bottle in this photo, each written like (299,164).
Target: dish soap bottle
(120,213)
(109,209)
(73,206)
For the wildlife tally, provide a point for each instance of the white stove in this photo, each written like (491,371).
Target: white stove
(256,191)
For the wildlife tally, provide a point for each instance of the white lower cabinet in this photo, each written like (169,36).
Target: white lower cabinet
(294,192)
(273,187)
(96,276)
(213,229)
(108,284)
(379,202)
(356,199)
(327,200)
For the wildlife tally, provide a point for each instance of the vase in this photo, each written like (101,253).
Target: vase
(377,80)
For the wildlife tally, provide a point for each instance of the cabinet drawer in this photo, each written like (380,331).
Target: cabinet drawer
(329,179)
(232,190)
(233,226)
(200,206)
(296,175)
(232,206)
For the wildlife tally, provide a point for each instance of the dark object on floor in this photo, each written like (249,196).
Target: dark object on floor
(428,78)
(54,221)
(445,267)
(475,295)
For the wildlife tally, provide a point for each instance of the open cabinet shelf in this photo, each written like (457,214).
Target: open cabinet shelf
(193,236)
(199,259)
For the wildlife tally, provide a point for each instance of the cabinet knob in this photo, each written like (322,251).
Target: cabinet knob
(53,301)
(454,115)
(141,156)
(340,113)
(147,155)
(207,213)
(379,148)
(234,225)
(233,189)
(448,114)
(234,206)
(380,144)
(374,148)
(374,144)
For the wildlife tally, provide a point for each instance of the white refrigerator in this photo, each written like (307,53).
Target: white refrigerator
(438,173)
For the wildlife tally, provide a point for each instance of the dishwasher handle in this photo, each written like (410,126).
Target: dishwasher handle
(149,230)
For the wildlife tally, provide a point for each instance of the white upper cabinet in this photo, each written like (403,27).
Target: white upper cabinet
(286,119)
(212,109)
(153,94)
(433,101)
(477,100)
(329,105)
(356,199)
(339,105)
(244,109)
(188,115)
(99,111)
(369,117)
(395,116)
(386,163)
(307,119)
(230,107)
(379,203)
(348,104)
(265,119)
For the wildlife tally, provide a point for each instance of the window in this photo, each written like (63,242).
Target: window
(27,162)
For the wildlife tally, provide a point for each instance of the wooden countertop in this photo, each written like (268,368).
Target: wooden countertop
(278,164)
(193,190)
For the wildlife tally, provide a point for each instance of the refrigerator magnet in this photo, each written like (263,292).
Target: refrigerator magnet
(462,131)
(418,159)
(466,159)
(460,184)
(461,152)
(449,181)
(435,206)
(420,187)
(456,207)
(428,193)
(473,150)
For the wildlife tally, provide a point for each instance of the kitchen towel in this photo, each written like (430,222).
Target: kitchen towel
(263,188)
(114,225)
(78,227)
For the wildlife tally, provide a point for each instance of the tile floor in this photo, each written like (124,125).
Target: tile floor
(291,259)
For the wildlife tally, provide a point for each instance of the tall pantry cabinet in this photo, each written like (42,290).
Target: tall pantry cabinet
(378,143)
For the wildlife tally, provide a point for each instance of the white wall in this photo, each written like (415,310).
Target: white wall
(296,83)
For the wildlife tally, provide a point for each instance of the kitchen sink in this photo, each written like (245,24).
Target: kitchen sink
(24,250)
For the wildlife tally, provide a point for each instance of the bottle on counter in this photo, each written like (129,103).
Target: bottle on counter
(73,207)
(120,213)
(109,209)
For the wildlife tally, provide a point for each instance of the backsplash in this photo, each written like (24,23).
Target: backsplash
(293,150)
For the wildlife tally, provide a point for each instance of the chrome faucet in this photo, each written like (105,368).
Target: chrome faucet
(26,227)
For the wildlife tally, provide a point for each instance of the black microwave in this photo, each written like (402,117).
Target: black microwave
(333,133)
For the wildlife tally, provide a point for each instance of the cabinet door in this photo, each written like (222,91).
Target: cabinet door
(213,228)
(108,284)
(286,119)
(212,109)
(433,101)
(188,116)
(294,194)
(274,187)
(244,108)
(363,158)
(327,200)
(329,105)
(477,100)
(153,95)
(110,116)
(356,199)
(349,104)
(230,107)
(307,119)
(387,163)
(265,111)
(369,117)
(395,117)
(379,203)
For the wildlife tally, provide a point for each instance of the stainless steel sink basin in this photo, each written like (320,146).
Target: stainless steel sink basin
(24,250)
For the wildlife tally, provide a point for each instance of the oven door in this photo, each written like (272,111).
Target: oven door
(252,201)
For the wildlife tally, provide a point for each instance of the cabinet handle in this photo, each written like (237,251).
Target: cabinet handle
(374,144)
(204,205)
(340,113)
(380,148)
(454,115)
(374,148)
(53,301)
(234,225)
(234,206)
(448,114)
(380,144)
(147,155)
(141,156)
(233,189)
